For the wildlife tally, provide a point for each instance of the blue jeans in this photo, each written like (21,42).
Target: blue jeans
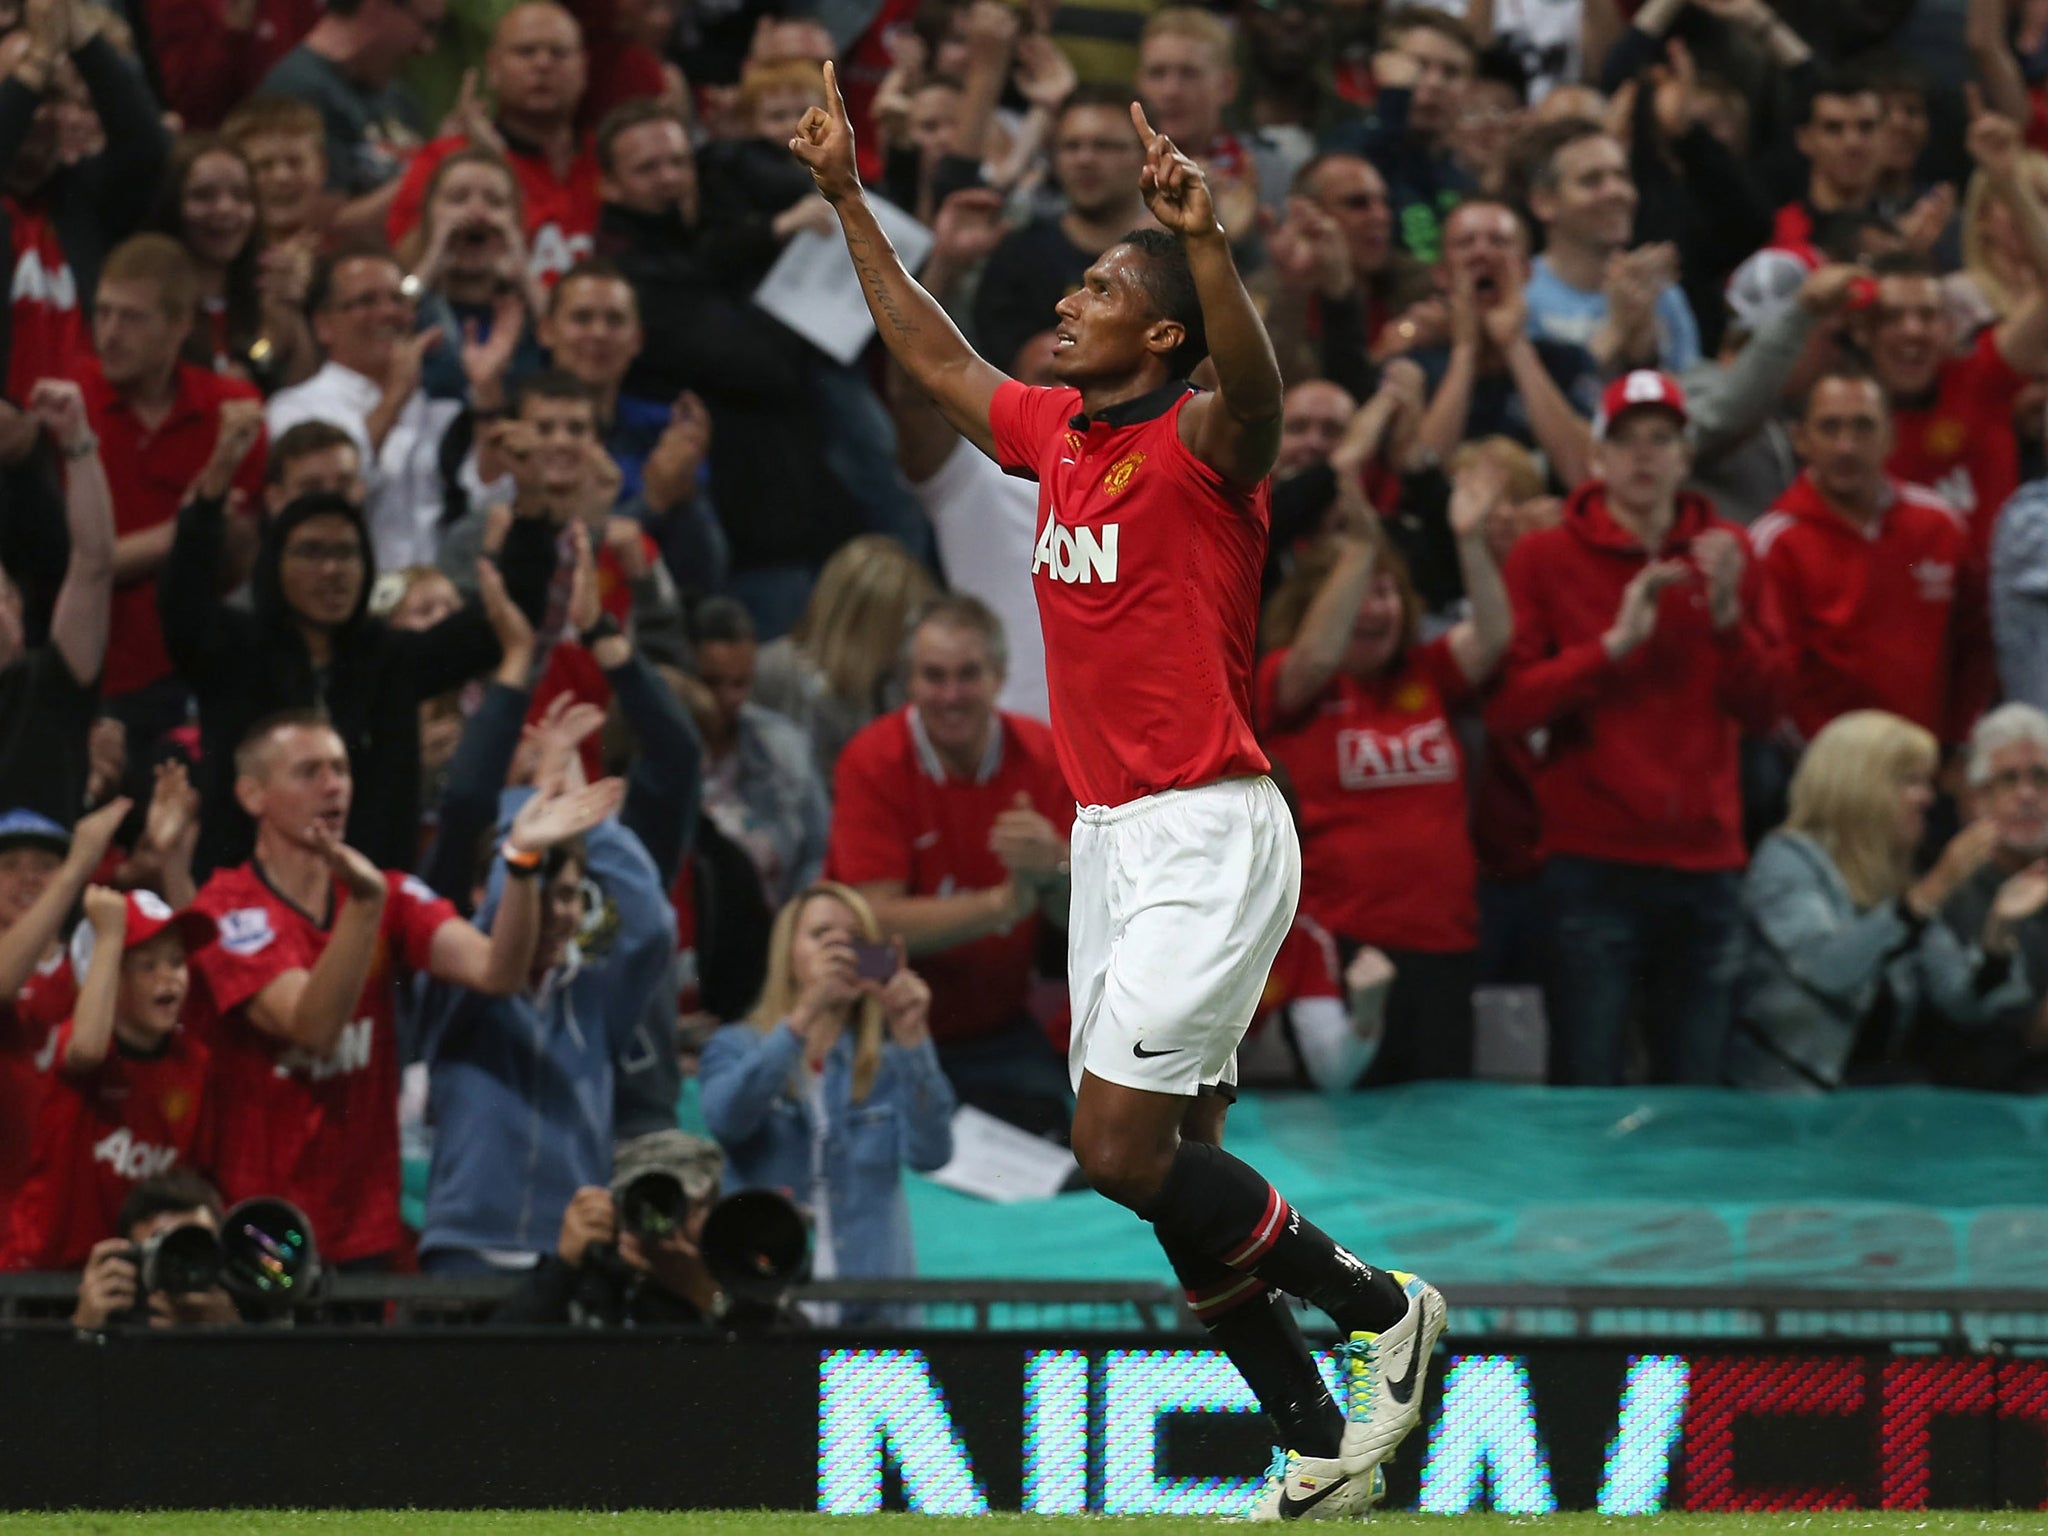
(1635,941)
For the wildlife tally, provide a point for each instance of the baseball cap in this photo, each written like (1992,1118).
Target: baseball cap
(693,1161)
(1639,389)
(23,828)
(1768,283)
(148,915)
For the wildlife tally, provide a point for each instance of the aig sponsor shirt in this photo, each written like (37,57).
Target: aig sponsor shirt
(1386,854)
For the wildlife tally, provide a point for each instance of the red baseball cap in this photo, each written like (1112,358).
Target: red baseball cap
(148,915)
(1639,389)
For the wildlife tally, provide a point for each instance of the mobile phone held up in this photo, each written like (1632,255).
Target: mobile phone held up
(874,962)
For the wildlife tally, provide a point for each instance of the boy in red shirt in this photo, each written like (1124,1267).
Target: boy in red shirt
(126,1096)
(1641,651)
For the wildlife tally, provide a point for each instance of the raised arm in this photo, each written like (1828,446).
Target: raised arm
(309,1008)
(78,624)
(92,1016)
(912,325)
(1234,429)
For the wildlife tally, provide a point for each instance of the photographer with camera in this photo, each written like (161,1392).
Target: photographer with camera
(158,1271)
(628,1256)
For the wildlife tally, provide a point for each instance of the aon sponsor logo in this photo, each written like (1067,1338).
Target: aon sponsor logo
(131,1159)
(1075,554)
(33,280)
(351,1054)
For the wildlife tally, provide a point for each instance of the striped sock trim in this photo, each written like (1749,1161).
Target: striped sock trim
(1264,1234)
(1211,1304)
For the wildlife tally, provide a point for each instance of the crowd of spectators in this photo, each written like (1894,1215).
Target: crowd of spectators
(467,669)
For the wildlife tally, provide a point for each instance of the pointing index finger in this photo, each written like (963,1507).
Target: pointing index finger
(832,96)
(1147,134)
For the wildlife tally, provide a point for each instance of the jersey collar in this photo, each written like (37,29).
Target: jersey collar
(1128,413)
(928,755)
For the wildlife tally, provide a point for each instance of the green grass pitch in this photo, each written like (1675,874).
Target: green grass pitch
(776,1523)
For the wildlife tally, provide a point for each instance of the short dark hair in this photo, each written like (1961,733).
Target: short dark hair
(553,384)
(1906,263)
(599,269)
(721,621)
(1304,179)
(320,289)
(1893,74)
(300,441)
(1430,19)
(1093,93)
(1500,63)
(1552,140)
(963,610)
(627,116)
(1169,283)
(1841,80)
(1847,370)
(181,1189)
(309,717)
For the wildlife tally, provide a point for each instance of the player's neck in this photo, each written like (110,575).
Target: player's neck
(297,873)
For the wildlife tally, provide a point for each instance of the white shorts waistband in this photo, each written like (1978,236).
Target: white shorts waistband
(1145,805)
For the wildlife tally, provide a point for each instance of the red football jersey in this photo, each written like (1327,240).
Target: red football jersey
(561,211)
(1892,618)
(1962,447)
(149,470)
(1147,574)
(46,324)
(28,1044)
(322,1133)
(898,815)
(99,1134)
(1386,850)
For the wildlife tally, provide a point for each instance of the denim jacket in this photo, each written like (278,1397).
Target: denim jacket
(754,1107)
(1815,965)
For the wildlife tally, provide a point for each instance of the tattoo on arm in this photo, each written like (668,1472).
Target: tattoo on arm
(876,281)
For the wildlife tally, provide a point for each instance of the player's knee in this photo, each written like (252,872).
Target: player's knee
(1120,1167)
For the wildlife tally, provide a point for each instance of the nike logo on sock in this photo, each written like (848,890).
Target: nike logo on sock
(1402,1388)
(1138,1050)
(1294,1509)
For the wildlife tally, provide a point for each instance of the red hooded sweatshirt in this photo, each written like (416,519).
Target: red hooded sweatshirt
(1637,758)
(1890,617)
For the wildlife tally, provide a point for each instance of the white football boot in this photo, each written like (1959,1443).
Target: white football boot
(1384,1374)
(1302,1487)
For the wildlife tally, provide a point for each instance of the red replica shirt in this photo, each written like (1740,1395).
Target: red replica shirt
(46,328)
(1147,575)
(149,469)
(898,815)
(1386,853)
(1887,618)
(1962,446)
(322,1133)
(28,1045)
(561,211)
(99,1134)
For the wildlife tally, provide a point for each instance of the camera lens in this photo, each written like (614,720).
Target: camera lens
(270,1257)
(181,1261)
(652,1204)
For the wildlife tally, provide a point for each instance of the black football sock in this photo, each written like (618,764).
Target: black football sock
(1217,1205)
(1254,1325)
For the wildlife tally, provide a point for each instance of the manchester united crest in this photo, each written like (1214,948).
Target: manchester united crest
(1119,477)
(1944,437)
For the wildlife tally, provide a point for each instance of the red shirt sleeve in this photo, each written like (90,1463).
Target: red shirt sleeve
(869,840)
(1435,662)
(412,917)
(1022,418)
(247,958)
(411,196)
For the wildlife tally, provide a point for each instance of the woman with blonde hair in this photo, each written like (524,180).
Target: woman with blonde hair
(839,668)
(1846,948)
(832,1084)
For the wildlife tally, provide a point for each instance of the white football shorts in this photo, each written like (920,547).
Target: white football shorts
(1179,903)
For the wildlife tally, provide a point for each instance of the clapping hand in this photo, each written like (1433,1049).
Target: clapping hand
(363,880)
